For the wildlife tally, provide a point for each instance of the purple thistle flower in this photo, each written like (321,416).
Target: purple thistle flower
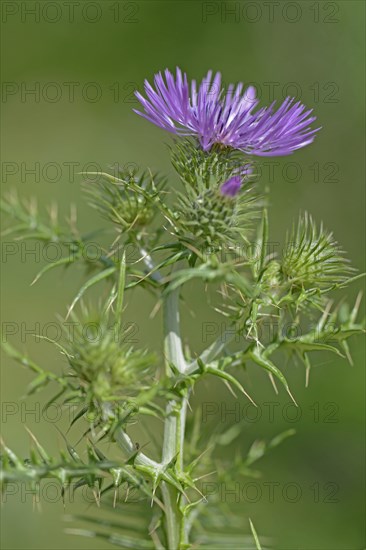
(231,187)
(228,119)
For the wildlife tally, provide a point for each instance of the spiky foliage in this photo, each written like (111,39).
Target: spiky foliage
(99,473)
(110,381)
(312,256)
(30,223)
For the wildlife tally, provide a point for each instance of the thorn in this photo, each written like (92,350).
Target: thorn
(63,497)
(292,397)
(324,316)
(347,352)
(155,310)
(307,376)
(356,306)
(230,389)
(205,475)
(97,500)
(273,382)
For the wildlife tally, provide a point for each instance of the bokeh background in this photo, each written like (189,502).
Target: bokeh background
(103,51)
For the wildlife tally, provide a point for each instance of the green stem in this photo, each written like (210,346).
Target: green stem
(175,418)
(172,340)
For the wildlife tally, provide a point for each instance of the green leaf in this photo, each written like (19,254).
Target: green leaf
(53,399)
(229,435)
(78,415)
(301,345)
(240,283)
(48,267)
(105,175)
(265,363)
(259,448)
(26,362)
(42,453)
(91,282)
(205,272)
(168,261)
(280,438)
(256,451)
(229,378)
(37,384)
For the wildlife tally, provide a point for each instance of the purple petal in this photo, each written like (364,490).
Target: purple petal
(231,187)
(214,117)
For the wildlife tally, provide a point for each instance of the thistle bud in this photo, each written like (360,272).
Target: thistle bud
(108,368)
(214,219)
(218,205)
(313,257)
(202,170)
(128,201)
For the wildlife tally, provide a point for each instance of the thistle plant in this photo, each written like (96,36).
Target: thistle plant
(180,236)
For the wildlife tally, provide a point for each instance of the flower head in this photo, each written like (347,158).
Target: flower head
(225,118)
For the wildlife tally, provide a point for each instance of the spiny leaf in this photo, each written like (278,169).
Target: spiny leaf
(37,384)
(26,362)
(229,378)
(166,262)
(264,362)
(205,272)
(302,345)
(74,455)
(43,454)
(92,281)
(48,267)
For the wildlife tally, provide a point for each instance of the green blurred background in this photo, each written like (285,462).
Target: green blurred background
(314,49)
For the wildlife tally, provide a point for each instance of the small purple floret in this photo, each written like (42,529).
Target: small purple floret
(228,118)
(231,187)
